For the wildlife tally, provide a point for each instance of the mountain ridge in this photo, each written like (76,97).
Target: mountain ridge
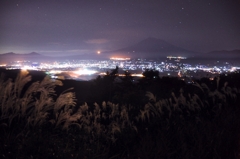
(33,56)
(225,53)
(147,48)
(152,47)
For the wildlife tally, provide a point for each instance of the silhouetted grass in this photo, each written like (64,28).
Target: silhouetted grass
(197,121)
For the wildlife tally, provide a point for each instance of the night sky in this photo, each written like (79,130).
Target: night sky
(67,27)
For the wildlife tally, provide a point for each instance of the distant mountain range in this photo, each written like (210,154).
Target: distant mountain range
(10,57)
(36,57)
(152,48)
(225,54)
(148,48)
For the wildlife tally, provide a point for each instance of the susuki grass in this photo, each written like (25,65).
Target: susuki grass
(37,122)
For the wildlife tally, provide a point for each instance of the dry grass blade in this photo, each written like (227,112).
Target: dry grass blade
(151,97)
(21,81)
(66,100)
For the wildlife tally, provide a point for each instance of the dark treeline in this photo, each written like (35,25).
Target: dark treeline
(123,90)
(119,117)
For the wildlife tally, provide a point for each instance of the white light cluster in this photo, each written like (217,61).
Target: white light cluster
(85,72)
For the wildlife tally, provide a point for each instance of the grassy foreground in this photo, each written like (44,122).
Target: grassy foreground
(38,122)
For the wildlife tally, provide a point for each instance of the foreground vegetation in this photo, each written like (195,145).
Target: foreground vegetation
(143,120)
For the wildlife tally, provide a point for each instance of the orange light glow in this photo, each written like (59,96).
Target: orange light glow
(119,58)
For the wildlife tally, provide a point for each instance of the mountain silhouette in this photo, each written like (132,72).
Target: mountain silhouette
(10,57)
(224,54)
(152,47)
(36,57)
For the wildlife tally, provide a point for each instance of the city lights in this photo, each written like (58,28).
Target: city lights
(85,72)
(76,69)
(119,58)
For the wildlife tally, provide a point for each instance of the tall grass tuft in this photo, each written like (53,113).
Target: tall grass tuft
(185,125)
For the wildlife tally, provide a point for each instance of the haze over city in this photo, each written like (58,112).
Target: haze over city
(61,28)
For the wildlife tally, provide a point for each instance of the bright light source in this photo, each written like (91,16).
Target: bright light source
(3,65)
(25,67)
(137,75)
(55,71)
(99,52)
(119,58)
(85,72)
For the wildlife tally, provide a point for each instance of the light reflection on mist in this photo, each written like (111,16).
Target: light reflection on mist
(85,72)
